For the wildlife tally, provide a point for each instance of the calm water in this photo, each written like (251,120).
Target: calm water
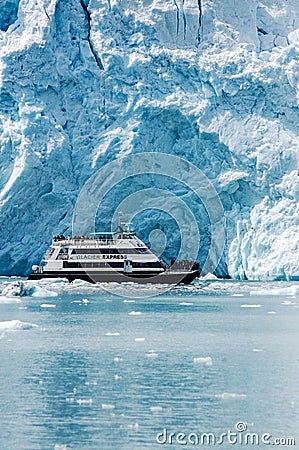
(82,368)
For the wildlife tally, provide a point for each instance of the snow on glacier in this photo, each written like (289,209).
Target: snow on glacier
(82,82)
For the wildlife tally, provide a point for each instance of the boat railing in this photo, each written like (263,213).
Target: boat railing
(86,242)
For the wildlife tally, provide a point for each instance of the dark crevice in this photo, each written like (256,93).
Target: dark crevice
(46,12)
(184,20)
(199,36)
(261,31)
(96,57)
(62,217)
(177,17)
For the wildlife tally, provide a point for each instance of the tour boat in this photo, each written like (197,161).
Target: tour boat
(119,256)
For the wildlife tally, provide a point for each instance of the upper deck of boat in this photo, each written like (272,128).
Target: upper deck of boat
(98,240)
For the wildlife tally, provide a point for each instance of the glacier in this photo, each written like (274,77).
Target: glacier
(216,82)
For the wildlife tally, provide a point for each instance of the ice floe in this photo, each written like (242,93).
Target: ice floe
(8,299)
(230,396)
(291,290)
(9,325)
(107,406)
(152,354)
(47,305)
(250,306)
(205,360)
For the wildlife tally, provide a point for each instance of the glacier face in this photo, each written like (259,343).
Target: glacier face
(83,82)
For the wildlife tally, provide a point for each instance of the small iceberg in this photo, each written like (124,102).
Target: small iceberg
(206,360)
(107,406)
(156,408)
(15,289)
(250,306)
(84,401)
(117,359)
(5,300)
(152,354)
(291,290)
(230,396)
(9,325)
(47,305)
(44,293)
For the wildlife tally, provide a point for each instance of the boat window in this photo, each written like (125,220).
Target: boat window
(109,251)
(154,264)
(86,265)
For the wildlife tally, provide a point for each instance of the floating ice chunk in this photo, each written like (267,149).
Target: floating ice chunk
(209,276)
(257,350)
(133,426)
(107,406)
(134,313)
(186,304)
(15,289)
(93,383)
(8,299)
(152,354)
(47,305)
(129,301)
(117,377)
(41,292)
(139,339)
(250,306)
(84,401)
(85,301)
(78,282)
(117,359)
(112,333)
(8,325)
(291,290)
(156,408)
(206,360)
(237,295)
(230,396)
(288,302)
(271,312)
(60,447)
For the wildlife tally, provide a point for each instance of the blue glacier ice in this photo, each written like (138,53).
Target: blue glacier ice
(215,82)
